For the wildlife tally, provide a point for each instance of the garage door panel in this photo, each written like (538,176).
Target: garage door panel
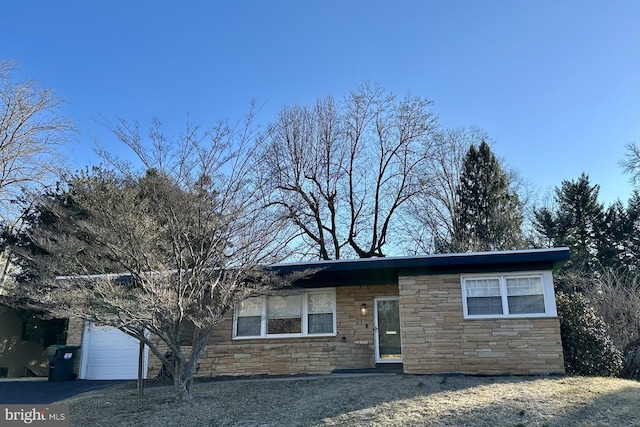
(108,353)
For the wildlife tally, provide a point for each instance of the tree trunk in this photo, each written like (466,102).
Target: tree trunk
(186,367)
(183,388)
(183,380)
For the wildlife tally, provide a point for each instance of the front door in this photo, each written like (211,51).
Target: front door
(388,343)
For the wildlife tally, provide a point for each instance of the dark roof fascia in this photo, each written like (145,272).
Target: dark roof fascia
(372,271)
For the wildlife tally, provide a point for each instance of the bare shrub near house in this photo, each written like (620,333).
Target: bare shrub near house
(188,236)
(616,296)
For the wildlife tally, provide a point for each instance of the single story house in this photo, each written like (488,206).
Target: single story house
(473,313)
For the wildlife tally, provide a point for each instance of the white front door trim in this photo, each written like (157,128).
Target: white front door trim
(376,337)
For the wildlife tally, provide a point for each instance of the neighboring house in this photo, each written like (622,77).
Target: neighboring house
(474,313)
(24,339)
(24,335)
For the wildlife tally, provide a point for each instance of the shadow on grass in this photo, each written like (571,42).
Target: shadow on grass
(339,400)
(620,408)
(375,401)
(617,408)
(499,401)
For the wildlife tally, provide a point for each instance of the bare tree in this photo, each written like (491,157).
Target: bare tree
(188,237)
(31,131)
(631,163)
(432,211)
(341,172)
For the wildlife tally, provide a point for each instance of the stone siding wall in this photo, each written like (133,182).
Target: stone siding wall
(437,339)
(352,347)
(75,330)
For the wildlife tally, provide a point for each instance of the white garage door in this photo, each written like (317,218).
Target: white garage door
(109,354)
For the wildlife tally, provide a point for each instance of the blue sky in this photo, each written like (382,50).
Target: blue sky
(555,83)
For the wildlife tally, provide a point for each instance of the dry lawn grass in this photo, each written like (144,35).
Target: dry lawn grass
(382,400)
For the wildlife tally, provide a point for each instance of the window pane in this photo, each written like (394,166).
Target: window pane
(284,326)
(284,314)
(483,287)
(250,307)
(321,303)
(526,304)
(248,326)
(321,323)
(524,286)
(283,307)
(484,305)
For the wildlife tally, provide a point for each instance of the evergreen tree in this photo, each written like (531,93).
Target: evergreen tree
(588,348)
(613,237)
(631,257)
(546,225)
(59,213)
(578,222)
(488,215)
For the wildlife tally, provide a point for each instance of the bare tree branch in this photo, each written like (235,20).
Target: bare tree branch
(341,172)
(432,210)
(631,163)
(31,131)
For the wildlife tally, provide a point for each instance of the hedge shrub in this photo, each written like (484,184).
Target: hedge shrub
(588,349)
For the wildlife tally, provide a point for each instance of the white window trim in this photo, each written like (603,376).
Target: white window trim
(547,293)
(305,318)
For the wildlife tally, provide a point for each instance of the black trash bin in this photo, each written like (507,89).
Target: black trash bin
(62,360)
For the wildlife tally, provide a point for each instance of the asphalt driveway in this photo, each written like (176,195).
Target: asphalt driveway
(41,391)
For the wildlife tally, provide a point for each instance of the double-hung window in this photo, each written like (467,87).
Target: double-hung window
(320,315)
(284,314)
(308,313)
(248,319)
(525,295)
(508,295)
